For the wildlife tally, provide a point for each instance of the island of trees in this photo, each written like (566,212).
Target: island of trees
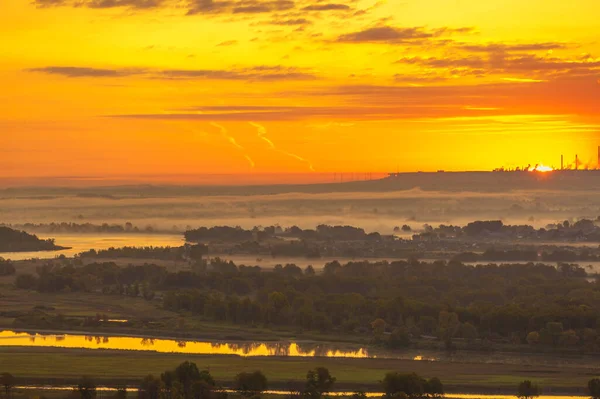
(20,241)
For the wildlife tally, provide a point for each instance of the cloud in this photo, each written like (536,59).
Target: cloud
(506,63)
(501,47)
(262,134)
(238,108)
(290,22)
(282,12)
(49,3)
(225,133)
(327,7)
(352,103)
(351,112)
(389,34)
(416,79)
(261,73)
(135,4)
(239,6)
(227,43)
(384,34)
(79,72)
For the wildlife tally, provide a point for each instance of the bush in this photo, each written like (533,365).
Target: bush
(6,268)
(26,281)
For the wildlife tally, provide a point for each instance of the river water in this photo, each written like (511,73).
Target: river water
(9,338)
(75,341)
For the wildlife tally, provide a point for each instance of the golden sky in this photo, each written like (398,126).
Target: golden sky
(108,88)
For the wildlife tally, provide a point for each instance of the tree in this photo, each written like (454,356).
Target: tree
(358,395)
(594,388)
(121,393)
(378,326)
(187,373)
(410,384)
(468,332)
(399,338)
(318,382)
(434,388)
(7,381)
(26,281)
(86,388)
(250,384)
(533,338)
(149,388)
(527,390)
(202,390)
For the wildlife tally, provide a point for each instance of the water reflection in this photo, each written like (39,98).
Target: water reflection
(13,338)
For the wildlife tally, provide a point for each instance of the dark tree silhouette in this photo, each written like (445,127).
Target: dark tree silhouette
(149,388)
(7,381)
(594,388)
(251,384)
(86,388)
(527,390)
(318,382)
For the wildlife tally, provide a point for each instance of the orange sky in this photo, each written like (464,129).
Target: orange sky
(116,88)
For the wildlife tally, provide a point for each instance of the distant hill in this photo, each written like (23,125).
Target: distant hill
(20,241)
(567,180)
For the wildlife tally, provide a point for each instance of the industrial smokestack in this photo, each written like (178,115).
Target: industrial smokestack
(598,167)
(562,160)
(576,162)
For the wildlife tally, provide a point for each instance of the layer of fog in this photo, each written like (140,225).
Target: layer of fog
(374,211)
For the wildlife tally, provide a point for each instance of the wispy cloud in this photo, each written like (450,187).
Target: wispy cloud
(390,34)
(264,73)
(262,133)
(233,142)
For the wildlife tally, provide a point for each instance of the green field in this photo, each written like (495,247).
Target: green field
(64,366)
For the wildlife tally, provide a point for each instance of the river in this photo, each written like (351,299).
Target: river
(90,341)
(83,242)
(80,341)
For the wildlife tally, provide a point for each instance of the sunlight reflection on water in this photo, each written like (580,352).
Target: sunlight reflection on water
(22,339)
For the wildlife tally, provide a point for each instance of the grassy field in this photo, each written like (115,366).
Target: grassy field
(65,366)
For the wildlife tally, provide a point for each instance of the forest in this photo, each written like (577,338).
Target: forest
(392,304)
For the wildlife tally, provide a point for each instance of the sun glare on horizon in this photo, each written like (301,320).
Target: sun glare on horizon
(541,168)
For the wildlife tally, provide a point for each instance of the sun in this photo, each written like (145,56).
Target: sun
(540,168)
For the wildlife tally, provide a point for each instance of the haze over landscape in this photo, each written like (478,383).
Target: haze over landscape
(256,199)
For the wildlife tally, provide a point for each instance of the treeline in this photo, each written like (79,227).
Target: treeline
(238,234)
(87,228)
(158,253)
(19,241)
(528,255)
(186,252)
(187,381)
(394,303)
(581,230)
(6,268)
